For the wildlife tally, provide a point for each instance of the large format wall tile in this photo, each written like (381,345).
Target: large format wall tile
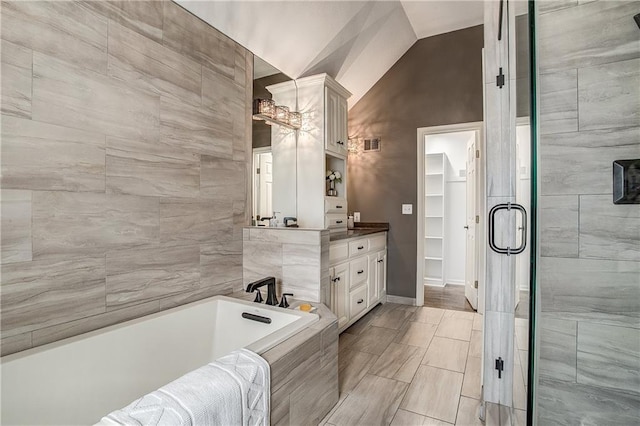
(220,264)
(207,221)
(221,91)
(589,34)
(607,230)
(581,162)
(83,99)
(557,348)
(43,293)
(66,30)
(151,168)
(568,404)
(141,275)
(16,80)
(222,179)
(609,95)
(145,63)
(15,230)
(144,17)
(76,224)
(602,288)
(609,356)
(558,225)
(43,156)
(559,102)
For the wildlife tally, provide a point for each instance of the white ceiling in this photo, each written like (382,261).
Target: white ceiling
(355,42)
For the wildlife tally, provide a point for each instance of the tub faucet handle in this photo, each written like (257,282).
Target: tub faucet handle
(283,302)
(258,298)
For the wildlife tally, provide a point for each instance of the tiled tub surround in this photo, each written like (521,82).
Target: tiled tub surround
(589,270)
(125,152)
(297,257)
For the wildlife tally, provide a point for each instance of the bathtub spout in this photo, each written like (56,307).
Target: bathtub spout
(270,282)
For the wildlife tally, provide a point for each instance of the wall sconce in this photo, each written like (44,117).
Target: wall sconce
(267,110)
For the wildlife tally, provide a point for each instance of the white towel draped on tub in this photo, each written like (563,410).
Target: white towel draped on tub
(232,390)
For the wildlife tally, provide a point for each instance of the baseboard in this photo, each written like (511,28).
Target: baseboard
(401,300)
(456,282)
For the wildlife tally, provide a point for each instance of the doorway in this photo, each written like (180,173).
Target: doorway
(450,236)
(262,183)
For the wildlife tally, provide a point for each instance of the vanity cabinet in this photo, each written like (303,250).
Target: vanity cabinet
(335,122)
(358,276)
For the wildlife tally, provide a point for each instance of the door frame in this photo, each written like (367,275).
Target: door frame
(255,178)
(478,127)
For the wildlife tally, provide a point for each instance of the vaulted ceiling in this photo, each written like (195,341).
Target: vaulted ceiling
(355,42)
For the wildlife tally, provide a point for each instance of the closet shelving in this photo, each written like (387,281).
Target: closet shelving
(434,184)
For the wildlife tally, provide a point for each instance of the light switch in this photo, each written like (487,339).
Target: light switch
(356,216)
(407,209)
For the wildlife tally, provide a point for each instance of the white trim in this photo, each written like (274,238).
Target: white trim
(478,127)
(255,184)
(401,300)
(455,282)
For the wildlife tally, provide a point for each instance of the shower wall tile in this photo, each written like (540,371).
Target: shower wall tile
(149,168)
(193,219)
(65,30)
(552,5)
(567,404)
(144,17)
(16,63)
(75,224)
(144,274)
(558,225)
(148,64)
(261,259)
(580,162)
(607,230)
(604,289)
(108,105)
(609,356)
(123,194)
(43,156)
(557,348)
(15,229)
(609,95)
(47,292)
(589,34)
(559,102)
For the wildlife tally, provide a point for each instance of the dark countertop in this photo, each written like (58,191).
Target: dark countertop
(360,229)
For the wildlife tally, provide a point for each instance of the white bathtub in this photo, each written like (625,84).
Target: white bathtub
(80,379)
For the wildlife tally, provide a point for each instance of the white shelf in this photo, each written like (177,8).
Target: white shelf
(433,195)
(433,258)
(435,238)
(432,216)
(434,192)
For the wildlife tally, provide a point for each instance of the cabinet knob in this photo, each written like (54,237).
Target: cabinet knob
(338,221)
(361,271)
(466,227)
(360,301)
(380,260)
(360,247)
(338,207)
(336,279)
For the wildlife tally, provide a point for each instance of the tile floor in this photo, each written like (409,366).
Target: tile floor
(407,365)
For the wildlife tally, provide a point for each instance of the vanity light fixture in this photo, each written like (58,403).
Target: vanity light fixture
(267,110)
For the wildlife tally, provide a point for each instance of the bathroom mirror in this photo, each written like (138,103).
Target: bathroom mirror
(264,75)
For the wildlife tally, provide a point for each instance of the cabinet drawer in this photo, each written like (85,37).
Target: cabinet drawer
(335,220)
(377,242)
(358,247)
(338,252)
(335,205)
(357,301)
(359,271)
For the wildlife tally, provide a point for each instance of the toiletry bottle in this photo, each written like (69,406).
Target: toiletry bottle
(350,221)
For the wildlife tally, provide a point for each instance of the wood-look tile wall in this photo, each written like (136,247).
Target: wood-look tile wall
(589,271)
(126,141)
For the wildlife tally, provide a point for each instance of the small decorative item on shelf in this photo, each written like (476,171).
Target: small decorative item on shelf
(333,177)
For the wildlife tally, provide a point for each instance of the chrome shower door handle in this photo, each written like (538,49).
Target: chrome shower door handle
(492,216)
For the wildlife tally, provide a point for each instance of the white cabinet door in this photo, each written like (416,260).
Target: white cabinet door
(342,124)
(381,272)
(374,290)
(339,283)
(331,124)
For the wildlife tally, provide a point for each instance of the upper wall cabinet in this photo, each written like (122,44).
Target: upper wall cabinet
(335,121)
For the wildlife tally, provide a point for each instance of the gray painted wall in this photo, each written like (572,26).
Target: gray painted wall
(438,81)
(589,271)
(125,152)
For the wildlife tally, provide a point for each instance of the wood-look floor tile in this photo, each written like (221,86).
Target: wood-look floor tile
(469,413)
(416,334)
(374,340)
(450,354)
(398,362)
(15,228)
(478,321)
(407,418)
(373,402)
(346,339)
(434,392)
(519,389)
(393,319)
(455,328)
(459,314)
(353,366)
(475,344)
(471,386)
(42,156)
(428,315)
